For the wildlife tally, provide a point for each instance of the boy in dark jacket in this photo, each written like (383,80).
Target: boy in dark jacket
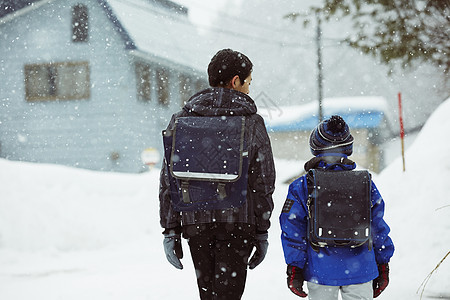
(221,241)
(357,273)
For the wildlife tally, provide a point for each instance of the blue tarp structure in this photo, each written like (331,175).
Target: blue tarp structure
(355,120)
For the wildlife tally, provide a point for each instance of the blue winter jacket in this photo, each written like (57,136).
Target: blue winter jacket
(335,266)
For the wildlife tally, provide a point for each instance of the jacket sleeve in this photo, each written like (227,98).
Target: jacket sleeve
(293,222)
(262,176)
(382,243)
(169,218)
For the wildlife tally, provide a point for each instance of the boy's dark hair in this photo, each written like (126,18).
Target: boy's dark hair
(225,65)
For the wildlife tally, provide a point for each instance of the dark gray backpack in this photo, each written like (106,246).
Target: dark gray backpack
(339,208)
(207,162)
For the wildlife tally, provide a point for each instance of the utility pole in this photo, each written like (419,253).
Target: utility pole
(319,66)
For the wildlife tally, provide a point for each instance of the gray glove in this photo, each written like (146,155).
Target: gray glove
(173,250)
(261,244)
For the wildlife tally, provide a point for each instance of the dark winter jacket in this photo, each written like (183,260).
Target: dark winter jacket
(335,266)
(261,177)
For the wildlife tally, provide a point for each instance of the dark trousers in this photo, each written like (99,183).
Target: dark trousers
(220,254)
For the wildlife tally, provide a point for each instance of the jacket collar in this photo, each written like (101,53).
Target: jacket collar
(220,102)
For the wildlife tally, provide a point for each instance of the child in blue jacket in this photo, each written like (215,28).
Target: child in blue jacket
(357,273)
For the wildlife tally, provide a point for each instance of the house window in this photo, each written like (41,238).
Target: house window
(143,81)
(162,79)
(186,90)
(80,24)
(57,81)
(200,85)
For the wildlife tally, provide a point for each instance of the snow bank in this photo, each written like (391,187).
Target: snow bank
(418,209)
(56,207)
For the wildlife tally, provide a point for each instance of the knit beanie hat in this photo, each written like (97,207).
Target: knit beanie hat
(331,136)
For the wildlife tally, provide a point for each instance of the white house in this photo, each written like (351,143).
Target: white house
(290,127)
(91,83)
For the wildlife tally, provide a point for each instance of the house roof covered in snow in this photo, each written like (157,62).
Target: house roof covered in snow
(161,32)
(152,29)
(358,112)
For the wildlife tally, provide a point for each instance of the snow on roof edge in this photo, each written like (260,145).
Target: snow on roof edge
(23,11)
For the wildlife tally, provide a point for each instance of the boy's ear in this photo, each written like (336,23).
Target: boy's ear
(235,81)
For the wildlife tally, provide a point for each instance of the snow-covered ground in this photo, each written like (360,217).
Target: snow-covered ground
(76,234)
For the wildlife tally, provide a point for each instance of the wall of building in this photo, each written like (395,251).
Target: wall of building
(106,131)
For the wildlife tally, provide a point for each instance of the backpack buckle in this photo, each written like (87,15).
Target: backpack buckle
(185,191)
(221,190)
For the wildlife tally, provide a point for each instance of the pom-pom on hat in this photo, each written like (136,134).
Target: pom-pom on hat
(331,136)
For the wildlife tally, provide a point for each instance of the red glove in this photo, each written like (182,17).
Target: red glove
(295,280)
(382,281)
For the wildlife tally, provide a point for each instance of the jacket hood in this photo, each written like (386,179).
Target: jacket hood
(220,102)
(338,162)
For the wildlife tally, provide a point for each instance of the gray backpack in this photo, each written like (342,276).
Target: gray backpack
(339,208)
(207,162)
